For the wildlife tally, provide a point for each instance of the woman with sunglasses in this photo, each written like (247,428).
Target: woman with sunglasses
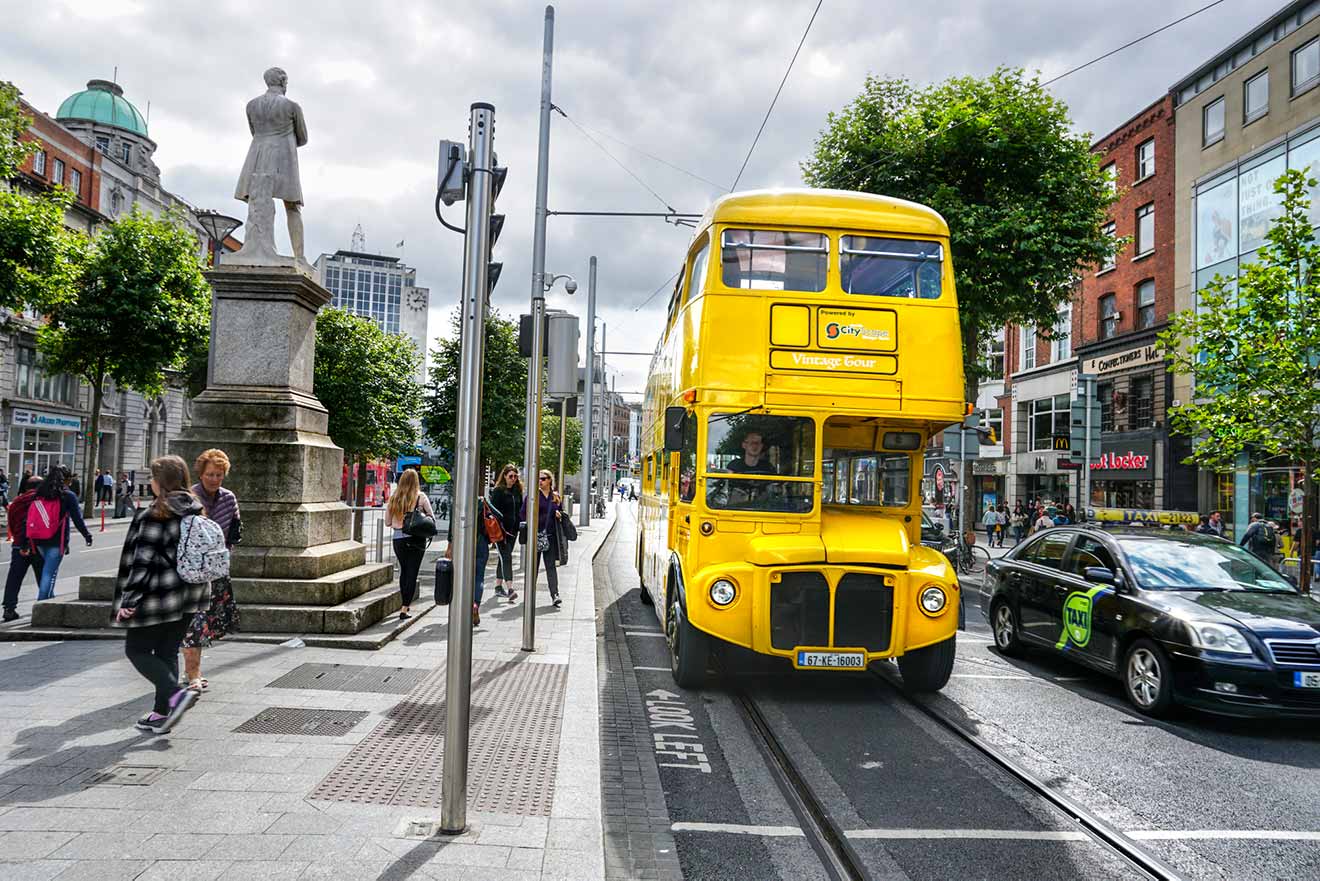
(548,509)
(506,497)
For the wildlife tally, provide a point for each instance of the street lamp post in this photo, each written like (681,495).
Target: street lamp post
(218,227)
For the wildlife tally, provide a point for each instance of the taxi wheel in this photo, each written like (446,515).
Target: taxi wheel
(688,651)
(1147,678)
(1004,623)
(929,668)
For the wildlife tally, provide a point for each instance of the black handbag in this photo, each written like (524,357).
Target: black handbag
(235,531)
(416,524)
(444,581)
(567,529)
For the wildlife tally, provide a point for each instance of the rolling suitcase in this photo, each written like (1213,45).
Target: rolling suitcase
(444,581)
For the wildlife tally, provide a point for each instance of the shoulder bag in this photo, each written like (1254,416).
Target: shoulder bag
(418,524)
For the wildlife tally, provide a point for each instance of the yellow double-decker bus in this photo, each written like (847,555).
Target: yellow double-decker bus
(811,348)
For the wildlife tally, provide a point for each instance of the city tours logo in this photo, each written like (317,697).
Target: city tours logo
(834,330)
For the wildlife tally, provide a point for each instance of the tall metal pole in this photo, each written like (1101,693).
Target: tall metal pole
(563,436)
(603,408)
(584,514)
(472,338)
(532,450)
(1089,385)
(609,433)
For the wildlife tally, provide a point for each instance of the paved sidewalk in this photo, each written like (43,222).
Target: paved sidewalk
(345,784)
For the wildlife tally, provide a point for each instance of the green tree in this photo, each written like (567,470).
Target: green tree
(137,306)
(1253,348)
(503,397)
(38,255)
(550,445)
(365,378)
(1023,195)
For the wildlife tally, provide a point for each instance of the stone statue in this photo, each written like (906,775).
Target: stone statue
(271,172)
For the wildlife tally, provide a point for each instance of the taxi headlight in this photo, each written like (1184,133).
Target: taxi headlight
(933,599)
(722,592)
(1218,638)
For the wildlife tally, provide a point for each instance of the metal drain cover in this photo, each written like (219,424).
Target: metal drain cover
(124,775)
(513,744)
(352,677)
(299,720)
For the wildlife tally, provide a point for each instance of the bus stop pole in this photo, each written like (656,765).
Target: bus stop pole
(532,448)
(584,515)
(472,335)
(1089,385)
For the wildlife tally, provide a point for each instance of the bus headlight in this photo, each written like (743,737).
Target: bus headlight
(722,592)
(933,599)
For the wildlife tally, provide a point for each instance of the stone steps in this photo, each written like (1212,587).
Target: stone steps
(328,590)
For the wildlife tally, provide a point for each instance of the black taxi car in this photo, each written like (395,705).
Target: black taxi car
(1178,618)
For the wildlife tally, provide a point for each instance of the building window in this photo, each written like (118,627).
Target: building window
(116,203)
(1108,317)
(1049,416)
(1212,122)
(57,174)
(75,182)
(1110,230)
(1062,341)
(1305,66)
(1145,159)
(1028,348)
(1145,229)
(1143,402)
(994,420)
(994,355)
(1256,97)
(34,383)
(125,151)
(1105,391)
(103,143)
(1146,304)
(39,163)
(1110,172)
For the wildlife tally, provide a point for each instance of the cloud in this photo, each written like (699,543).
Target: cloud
(687,81)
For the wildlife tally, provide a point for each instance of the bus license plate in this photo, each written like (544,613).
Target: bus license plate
(1306,680)
(832,660)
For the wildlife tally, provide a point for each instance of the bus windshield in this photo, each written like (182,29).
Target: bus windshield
(775,260)
(891,267)
(762,451)
(867,478)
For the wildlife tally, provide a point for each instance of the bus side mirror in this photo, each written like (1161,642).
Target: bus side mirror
(674,417)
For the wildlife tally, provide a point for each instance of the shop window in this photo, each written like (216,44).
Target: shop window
(1146,304)
(1143,402)
(1108,317)
(1106,393)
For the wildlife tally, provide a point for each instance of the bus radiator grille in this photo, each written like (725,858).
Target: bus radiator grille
(863,612)
(800,610)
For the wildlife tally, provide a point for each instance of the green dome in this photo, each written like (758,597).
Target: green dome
(103,102)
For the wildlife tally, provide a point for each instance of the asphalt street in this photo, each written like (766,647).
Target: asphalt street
(102,556)
(1214,798)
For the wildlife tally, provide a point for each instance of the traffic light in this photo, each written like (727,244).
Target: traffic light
(497,176)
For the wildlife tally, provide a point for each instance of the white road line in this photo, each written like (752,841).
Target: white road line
(642,633)
(990,834)
(1070,678)
(1222,834)
(992,676)
(657,669)
(737,829)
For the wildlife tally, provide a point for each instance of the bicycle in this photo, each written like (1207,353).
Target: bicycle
(968,557)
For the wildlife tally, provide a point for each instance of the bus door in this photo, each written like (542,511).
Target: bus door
(680,511)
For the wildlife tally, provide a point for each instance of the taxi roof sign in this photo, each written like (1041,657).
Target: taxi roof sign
(1126,516)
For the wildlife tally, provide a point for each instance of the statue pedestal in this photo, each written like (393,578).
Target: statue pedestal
(297,570)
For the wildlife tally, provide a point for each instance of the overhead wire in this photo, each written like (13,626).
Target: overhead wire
(661,199)
(636,149)
(773,100)
(664,284)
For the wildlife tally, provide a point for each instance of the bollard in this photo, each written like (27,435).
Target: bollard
(380,539)
(103,517)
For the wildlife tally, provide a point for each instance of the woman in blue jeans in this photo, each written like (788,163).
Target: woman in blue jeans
(52,550)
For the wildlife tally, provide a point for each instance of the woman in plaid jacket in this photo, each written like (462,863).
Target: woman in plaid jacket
(151,600)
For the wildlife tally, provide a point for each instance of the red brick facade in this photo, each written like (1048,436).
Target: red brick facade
(58,143)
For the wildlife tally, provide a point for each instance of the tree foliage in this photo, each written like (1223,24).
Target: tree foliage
(365,378)
(38,255)
(137,306)
(503,398)
(1024,197)
(550,445)
(1252,346)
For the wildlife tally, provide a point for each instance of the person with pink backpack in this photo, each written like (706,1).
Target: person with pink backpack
(47,527)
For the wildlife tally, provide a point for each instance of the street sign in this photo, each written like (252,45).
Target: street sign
(1077,438)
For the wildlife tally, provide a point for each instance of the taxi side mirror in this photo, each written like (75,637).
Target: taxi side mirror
(674,417)
(1101,575)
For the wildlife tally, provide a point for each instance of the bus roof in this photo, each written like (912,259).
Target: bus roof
(836,209)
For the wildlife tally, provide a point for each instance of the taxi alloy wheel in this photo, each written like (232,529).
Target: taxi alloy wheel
(1005,627)
(1146,678)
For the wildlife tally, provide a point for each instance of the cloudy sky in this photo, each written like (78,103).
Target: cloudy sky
(686,80)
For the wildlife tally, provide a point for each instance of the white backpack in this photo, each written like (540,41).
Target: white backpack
(202,553)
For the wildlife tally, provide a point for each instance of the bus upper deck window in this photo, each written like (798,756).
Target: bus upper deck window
(774,260)
(891,267)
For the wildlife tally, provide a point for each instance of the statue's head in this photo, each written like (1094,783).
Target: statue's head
(276,78)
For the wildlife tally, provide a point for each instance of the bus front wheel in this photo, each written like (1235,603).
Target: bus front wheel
(929,668)
(688,651)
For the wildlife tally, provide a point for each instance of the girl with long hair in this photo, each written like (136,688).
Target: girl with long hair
(52,550)
(506,497)
(407,498)
(548,509)
(151,600)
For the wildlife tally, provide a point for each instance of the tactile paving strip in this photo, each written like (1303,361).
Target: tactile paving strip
(300,720)
(513,744)
(352,677)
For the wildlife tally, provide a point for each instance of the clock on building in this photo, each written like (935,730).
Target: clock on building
(416,299)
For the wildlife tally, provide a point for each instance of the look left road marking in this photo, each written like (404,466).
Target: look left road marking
(675,732)
(738,829)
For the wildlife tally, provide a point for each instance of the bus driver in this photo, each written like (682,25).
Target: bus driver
(753,460)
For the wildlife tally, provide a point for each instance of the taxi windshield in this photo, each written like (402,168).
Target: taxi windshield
(1176,565)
